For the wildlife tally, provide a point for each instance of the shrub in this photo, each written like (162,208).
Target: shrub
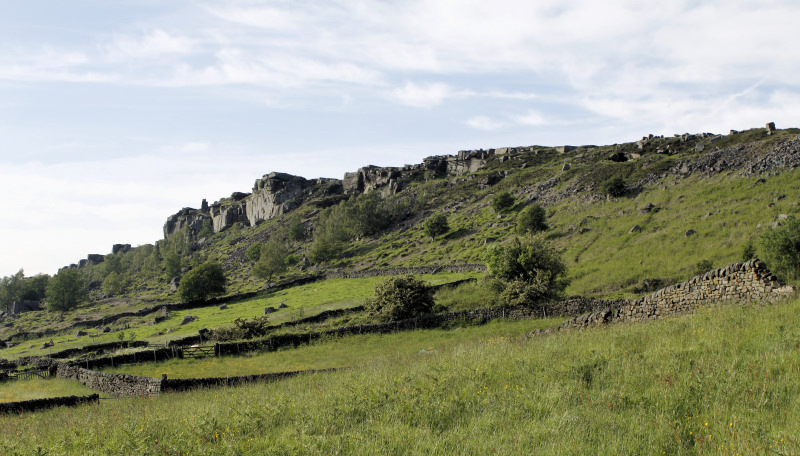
(253,253)
(243,329)
(173,265)
(66,290)
(502,201)
(529,270)
(400,297)
(272,260)
(113,283)
(748,251)
(297,231)
(703,266)
(780,249)
(202,282)
(531,220)
(614,187)
(436,225)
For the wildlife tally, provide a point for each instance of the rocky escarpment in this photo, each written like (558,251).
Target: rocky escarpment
(278,193)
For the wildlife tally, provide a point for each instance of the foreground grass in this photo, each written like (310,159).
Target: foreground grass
(724,381)
(350,351)
(25,390)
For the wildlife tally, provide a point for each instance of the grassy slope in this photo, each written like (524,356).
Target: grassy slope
(723,381)
(25,390)
(302,301)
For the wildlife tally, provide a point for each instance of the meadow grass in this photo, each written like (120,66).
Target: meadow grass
(721,381)
(302,301)
(25,390)
(348,351)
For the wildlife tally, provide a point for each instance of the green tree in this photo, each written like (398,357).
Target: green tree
(272,260)
(173,264)
(11,288)
(66,290)
(436,225)
(748,251)
(205,281)
(529,270)
(615,186)
(400,297)
(531,220)
(502,201)
(34,288)
(297,231)
(780,249)
(253,253)
(113,283)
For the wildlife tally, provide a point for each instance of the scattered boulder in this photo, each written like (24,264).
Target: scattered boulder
(770,128)
(268,310)
(188,319)
(690,233)
(647,208)
(635,229)
(565,167)
(699,147)
(282,305)
(80,333)
(618,157)
(106,330)
(223,306)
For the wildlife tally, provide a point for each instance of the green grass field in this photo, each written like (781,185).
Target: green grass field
(302,301)
(722,381)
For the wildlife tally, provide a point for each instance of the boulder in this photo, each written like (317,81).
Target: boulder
(635,229)
(282,305)
(223,306)
(689,233)
(188,319)
(565,167)
(770,128)
(268,310)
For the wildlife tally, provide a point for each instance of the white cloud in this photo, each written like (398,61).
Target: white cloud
(426,95)
(532,118)
(485,123)
(152,45)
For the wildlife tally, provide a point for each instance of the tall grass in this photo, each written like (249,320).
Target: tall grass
(723,381)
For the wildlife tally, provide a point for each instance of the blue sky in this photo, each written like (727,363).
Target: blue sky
(114,115)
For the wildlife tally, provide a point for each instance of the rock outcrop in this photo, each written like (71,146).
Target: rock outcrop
(191,219)
(274,195)
(229,211)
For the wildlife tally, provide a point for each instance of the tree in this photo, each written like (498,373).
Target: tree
(253,253)
(297,231)
(502,201)
(529,270)
(113,284)
(780,249)
(436,225)
(204,281)
(66,290)
(531,220)
(614,187)
(271,261)
(34,288)
(11,288)
(172,264)
(400,297)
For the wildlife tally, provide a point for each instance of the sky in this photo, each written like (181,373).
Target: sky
(116,114)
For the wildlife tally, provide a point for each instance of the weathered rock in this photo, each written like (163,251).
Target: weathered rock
(188,319)
(689,233)
(770,128)
(635,229)
(699,147)
(223,306)
(282,305)
(80,333)
(268,310)
(191,219)
(120,248)
(565,167)
(274,195)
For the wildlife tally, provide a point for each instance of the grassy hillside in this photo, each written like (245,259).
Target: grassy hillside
(721,381)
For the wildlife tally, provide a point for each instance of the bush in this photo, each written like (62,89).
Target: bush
(531,220)
(529,270)
(780,249)
(253,253)
(173,265)
(400,297)
(113,283)
(748,251)
(615,186)
(242,329)
(202,282)
(436,225)
(703,266)
(271,261)
(502,201)
(66,290)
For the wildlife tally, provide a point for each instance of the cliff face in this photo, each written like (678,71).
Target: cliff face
(278,193)
(274,195)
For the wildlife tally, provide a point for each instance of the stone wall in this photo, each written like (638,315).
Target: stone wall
(46,403)
(116,384)
(350,274)
(748,281)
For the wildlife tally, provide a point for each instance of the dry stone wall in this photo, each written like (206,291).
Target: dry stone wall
(46,403)
(748,281)
(116,384)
